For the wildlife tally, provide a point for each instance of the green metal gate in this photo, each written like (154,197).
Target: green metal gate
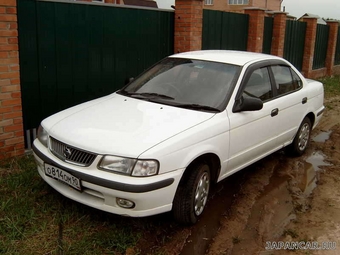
(267,34)
(71,52)
(295,42)
(321,43)
(224,30)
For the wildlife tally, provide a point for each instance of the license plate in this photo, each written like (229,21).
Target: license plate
(63,176)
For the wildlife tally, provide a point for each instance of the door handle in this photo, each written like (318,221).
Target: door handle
(274,112)
(304,100)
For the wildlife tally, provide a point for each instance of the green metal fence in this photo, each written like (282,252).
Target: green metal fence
(267,34)
(223,30)
(72,52)
(337,52)
(295,42)
(321,43)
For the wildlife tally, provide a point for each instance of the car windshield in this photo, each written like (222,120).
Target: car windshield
(195,84)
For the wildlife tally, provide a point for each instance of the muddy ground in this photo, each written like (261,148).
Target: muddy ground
(277,199)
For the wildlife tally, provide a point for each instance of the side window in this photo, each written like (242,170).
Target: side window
(286,79)
(259,85)
(296,79)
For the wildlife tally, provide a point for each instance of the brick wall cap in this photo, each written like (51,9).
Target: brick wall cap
(316,18)
(254,9)
(292,17)
(279,12)
(332,21)
(110,5)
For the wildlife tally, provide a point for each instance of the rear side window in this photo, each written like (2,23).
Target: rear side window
(286,79)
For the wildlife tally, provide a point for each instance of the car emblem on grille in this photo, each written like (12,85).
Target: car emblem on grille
(67,152)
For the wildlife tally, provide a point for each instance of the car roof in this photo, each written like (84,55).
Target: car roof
(225,56)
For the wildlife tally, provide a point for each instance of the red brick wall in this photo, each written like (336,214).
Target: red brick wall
(223,5)
(336,70)
(308,56)
(11,126)
(256,27)
(279,31)
(188,25)
(332,41)
(273,5)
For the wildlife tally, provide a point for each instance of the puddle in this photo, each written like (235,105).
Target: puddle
(322,137)
(205,230)
(287,193)
(308,181)
(273,210)
(317,159)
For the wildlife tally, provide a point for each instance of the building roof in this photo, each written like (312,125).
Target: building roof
(143,3)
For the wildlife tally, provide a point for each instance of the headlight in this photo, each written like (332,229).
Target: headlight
(129,166)
(117,164)
(145,168)
(42,136)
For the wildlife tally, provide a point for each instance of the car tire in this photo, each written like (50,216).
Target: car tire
(302,138)
(192,195)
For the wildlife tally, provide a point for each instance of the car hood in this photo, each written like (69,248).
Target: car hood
(119,125)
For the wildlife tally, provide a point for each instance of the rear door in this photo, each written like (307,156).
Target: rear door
(291,102)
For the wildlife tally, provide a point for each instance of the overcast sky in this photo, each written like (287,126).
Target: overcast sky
(323,8)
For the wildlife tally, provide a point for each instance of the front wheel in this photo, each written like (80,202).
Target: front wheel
(192,195)
(301,140)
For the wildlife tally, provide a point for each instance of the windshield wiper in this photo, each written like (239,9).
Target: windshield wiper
(198,107)
(156,95)
(147,95)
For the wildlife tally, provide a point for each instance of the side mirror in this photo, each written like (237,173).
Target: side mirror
(128,80)
(248,104)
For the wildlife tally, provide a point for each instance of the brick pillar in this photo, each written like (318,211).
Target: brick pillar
(188,25)
(331,48)
(308,54)
(279,32)
(11,127)
(256,28)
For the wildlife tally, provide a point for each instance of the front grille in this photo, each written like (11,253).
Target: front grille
(70,154)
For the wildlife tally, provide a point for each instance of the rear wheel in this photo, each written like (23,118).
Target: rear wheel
(192,195)
(301,140)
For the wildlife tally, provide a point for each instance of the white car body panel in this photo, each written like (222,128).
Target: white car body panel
(91,128)
(209,137)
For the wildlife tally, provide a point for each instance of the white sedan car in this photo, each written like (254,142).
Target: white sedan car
(191,120)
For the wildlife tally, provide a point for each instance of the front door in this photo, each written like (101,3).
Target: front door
(253,134)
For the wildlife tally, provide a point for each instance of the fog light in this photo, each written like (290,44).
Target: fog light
(125,203)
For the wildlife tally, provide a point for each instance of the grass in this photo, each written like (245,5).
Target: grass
(35,219)
(331,86)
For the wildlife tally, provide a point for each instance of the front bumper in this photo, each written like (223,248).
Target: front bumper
(151,195)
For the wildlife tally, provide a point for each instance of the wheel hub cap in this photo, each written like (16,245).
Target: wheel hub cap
(201,194)
(303,136)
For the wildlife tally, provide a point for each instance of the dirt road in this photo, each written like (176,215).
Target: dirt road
(277,199)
